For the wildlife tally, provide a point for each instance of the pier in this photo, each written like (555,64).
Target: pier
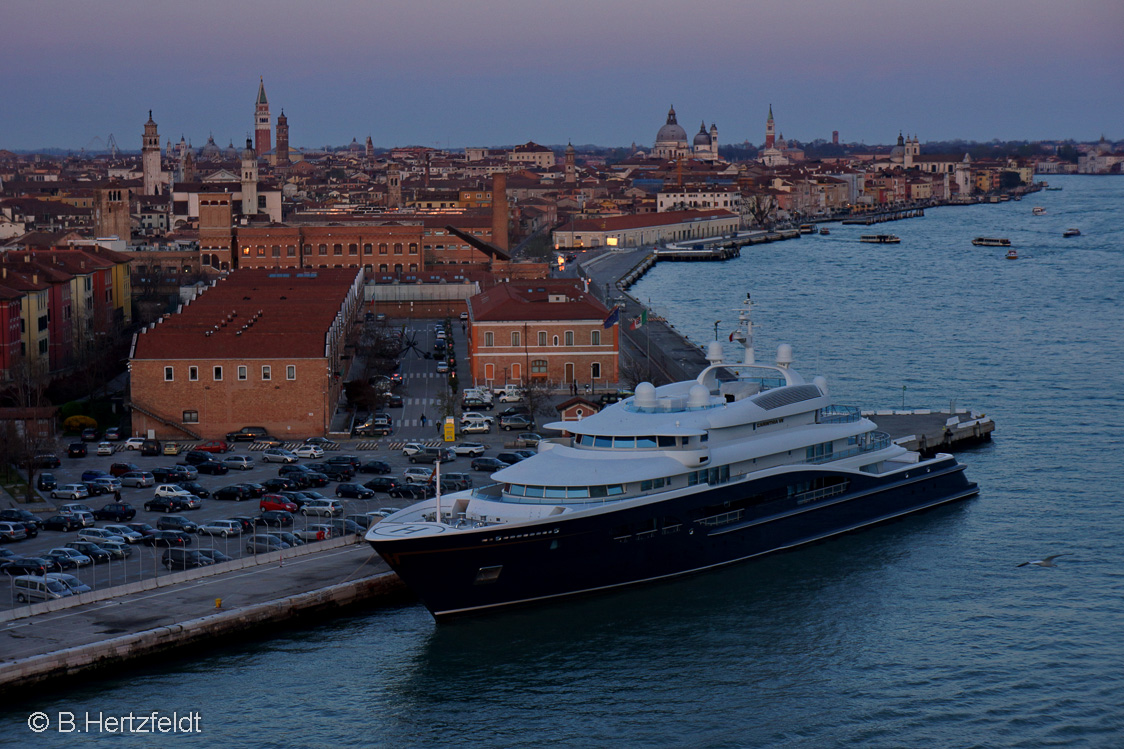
(931,432)
(878,218)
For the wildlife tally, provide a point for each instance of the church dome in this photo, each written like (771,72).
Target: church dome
(702,138)
(211,151)
(671,132)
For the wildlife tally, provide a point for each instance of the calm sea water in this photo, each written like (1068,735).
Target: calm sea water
(920,633)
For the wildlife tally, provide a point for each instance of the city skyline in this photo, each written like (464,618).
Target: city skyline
(505,72)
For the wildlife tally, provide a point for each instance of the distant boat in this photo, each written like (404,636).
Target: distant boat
(879,239)
(1038,210)
(825,231)
(807,228)
(1071,232)
(991,242)
(1012,254)
(1054,189)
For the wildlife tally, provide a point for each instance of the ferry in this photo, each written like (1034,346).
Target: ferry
(1071,233)
(880,238)
(825,231)
(1012,254)
(745,460)
(807,229)
(991,242)
(1038,210)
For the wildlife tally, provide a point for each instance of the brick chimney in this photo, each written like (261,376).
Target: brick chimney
(499,210)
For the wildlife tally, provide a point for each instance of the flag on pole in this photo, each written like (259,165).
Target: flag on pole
(613,318)
(641,321)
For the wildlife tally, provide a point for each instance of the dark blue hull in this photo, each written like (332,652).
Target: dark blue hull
(458,573)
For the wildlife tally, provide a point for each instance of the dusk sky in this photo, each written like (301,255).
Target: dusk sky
(495,72)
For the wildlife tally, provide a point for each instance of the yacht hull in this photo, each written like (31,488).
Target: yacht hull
(476,570)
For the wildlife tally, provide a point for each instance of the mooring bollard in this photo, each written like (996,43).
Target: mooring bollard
(218,603)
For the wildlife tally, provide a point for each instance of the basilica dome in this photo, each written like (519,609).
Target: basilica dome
(702,138)
(671,132)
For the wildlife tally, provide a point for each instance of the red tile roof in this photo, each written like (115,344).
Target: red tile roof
(294,311)
(622,223)
(529,300)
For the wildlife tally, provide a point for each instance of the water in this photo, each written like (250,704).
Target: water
(920,633)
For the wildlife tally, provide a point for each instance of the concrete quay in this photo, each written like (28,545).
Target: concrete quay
(138,621)
(931,432)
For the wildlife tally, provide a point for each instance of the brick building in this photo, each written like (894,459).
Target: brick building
(542,330)
(259,348)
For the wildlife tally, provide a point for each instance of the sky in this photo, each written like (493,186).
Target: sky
(449,73)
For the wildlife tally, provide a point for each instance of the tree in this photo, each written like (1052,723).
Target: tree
(760,207)
(539,398)
(27,392)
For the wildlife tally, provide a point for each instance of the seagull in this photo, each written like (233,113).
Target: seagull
(1047,562)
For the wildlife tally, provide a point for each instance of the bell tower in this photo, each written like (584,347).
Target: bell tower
(281,155)
(150,157)
(249,181)
(770,130)
(262,134)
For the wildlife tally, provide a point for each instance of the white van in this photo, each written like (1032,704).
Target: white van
(39,588)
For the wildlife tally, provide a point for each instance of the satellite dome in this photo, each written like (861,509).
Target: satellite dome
(645,395)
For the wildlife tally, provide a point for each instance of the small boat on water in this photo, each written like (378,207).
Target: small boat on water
(825,231)
(880,239)
(1071,232)
(1012,254)
(1038,210)
(807,229)
(991,242)
(1054,189)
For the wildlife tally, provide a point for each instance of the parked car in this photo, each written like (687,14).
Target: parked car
(323,442)
(90,434)
(364,521)
(142,528)
(134,443)
(117,511)
(131,536)
(167,538)
(35,586)
(212,468)
(382,483)
(287,537)
(69,559)
(528,439)
(92,550)
(417,474)
(471,449)
(345,527)
(476,404)
(524,454)
(214,446)
(150,447)
(278,455)
(354,491)
(372,429)
(64,523)
(176,523)
(137,479)
(12,531)
(84,517)
(246,521)
(70,491)
(117,549)
(247,434)
(104,448)
(277,502)
(76,450)
(184,559)
(195,457)
(309,451)
(234,493)
(97,535)
(375,466)
(216,556)
(174,474)
(194,487)
(333,472)
(488,464)
(222,528)
(108,484)
(412,448)
(113,434)
(171,448)
(462,481)
(476,426)
(46,460)
(240,462)
(117,470)
(414,492)
(261,543)
(433,454)
(76,586)
(511,458)
(46,482)
(332,507)
(514,421)
(21,516)
(318,532)
(256,490)
(167,504)
(275,519)
(280,484)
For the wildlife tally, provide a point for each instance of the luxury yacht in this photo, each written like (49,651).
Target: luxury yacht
(744,460)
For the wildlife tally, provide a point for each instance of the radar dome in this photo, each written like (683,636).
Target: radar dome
(698,397)
(645,395)
(784,355)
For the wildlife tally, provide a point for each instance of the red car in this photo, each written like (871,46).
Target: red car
(214,446)
(276,502)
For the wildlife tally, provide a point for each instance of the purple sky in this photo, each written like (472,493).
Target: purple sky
(490,72)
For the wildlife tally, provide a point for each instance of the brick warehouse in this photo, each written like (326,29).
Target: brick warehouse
(542,330)
(259,348)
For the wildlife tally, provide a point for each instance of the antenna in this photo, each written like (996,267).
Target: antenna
(111,144)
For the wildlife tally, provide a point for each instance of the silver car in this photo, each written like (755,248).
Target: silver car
(277,455)
(70,581)
(125,532)
(240,462)
(261,543)
(137,478)
(117,549)
(97,535)
(222,528)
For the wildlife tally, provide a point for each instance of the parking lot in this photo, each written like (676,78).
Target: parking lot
(419,389)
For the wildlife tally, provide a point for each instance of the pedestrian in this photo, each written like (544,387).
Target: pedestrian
(423,420)
(116,495)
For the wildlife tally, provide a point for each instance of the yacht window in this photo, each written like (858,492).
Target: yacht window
(642,442)
(556,492)
(577,492)
(646,486)
(534,491)
(704,437)
(615,489)
(517,490)
(625,443)
(603,441)
(598,491)
(667,441)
